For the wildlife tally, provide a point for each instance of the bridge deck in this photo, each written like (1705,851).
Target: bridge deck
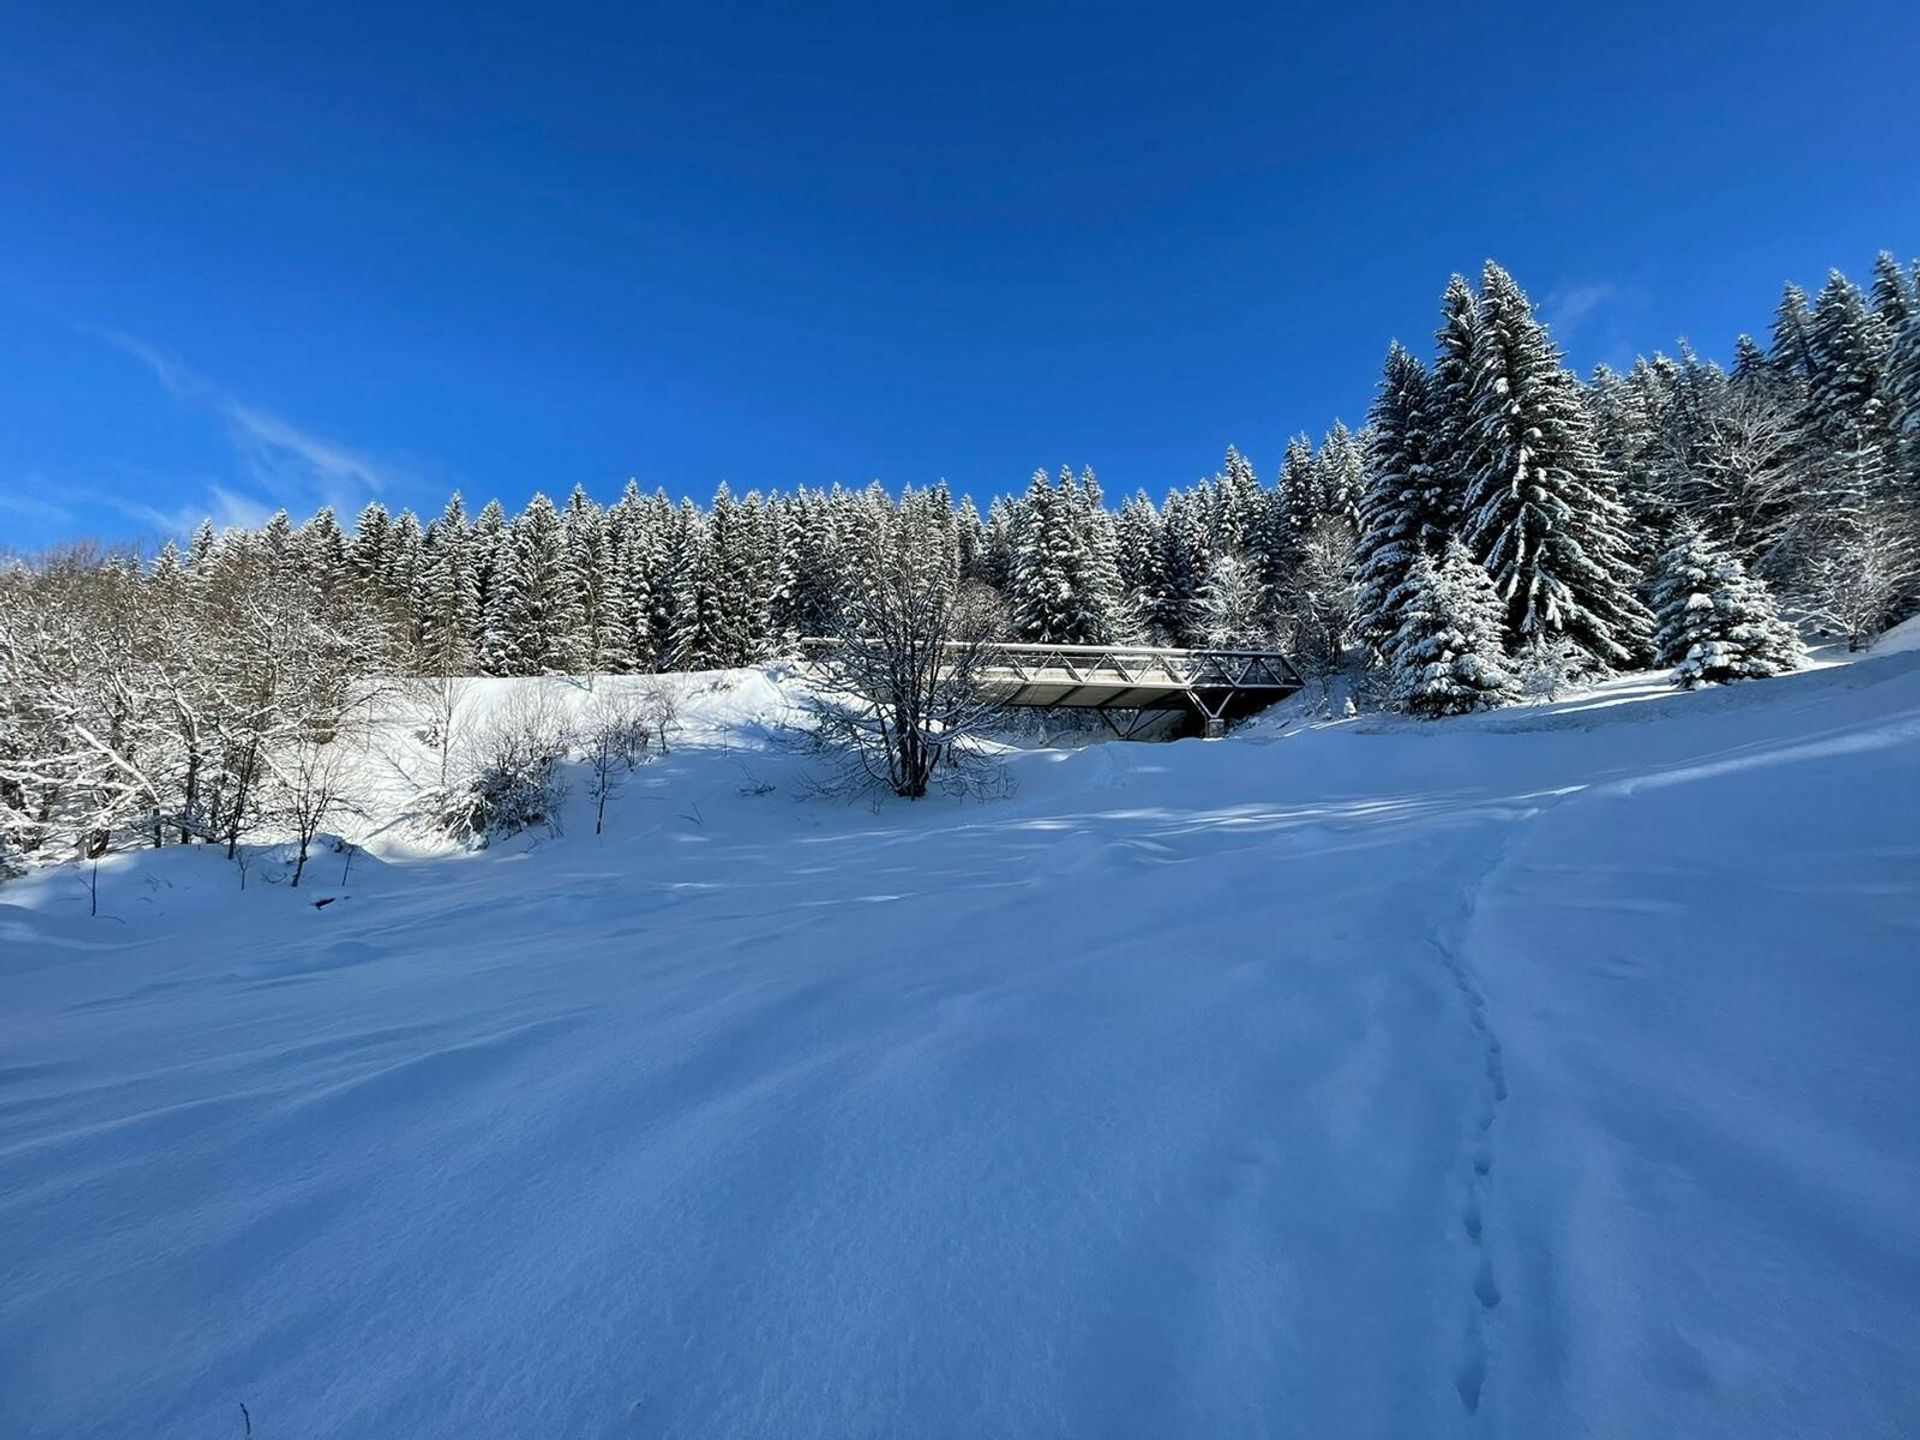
(1134,677)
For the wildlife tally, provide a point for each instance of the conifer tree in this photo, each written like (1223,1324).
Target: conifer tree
(488,552)
(1404,511)
(1296,501)
(1541,513)
(1056,579)
(1447,656)
(599,641)
(368,552)
(323,551)
(538,607)
(447,597)
(1716,622)
(634,557)
(1454,452)
(1894,300)
(1339,478)
(1792,351)
(1848,404)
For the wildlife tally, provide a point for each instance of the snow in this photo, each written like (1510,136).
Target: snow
(1547,1072)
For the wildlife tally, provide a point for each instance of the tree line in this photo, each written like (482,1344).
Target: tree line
(1497,526)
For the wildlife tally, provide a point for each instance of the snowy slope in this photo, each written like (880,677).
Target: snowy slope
(1550,1073)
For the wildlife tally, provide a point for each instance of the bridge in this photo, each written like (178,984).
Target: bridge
(1211,685)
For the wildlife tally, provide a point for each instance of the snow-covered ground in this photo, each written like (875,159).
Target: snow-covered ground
(1549,1073)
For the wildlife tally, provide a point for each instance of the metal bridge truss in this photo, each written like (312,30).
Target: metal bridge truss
(1212,683)
(1141,679)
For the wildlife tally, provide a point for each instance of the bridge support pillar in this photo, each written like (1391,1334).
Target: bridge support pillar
(1216,729)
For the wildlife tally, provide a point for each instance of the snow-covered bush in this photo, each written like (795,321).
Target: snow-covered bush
(1716,622)
(513,776)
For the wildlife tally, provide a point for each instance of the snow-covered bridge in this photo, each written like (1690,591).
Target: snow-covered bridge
(1212,684)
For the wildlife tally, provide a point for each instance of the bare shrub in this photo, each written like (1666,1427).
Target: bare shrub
(614,733)
(513,771)
(660,707)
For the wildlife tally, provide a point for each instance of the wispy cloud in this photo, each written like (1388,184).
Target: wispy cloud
(1568,307)
(224,507)
(14,503)
(280,464)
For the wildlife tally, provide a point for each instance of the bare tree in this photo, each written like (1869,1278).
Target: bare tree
(312,783)
(902,686)
(614,736)
(660,705)
(443,699)
(1317,596)
(1859,579)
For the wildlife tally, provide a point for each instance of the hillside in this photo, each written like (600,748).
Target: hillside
(1544,1073)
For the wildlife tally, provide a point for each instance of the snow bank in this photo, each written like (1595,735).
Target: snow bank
(1543,1073)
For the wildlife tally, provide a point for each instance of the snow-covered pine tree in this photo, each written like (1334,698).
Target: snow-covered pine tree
(1447,658)
(1894,300)
(714,616)
(1171,613)
(1849,408)
(368,552)
(1450,384)
(1106,600)
(447,596)
(1295,502)
(1142,572)
(971,533)
(1241,501)
(323,551)
(1903,380)
(633,555)
(539,596)
(488,550)
(406,544)
(599,643)
(1404,512)
(1629,428)
(1339,478)
(1792,339)
(1542,514)
(1053,588)
(1716,622)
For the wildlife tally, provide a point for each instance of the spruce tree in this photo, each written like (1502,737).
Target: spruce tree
(1893,293)
(447,597)
(1404,511)
(1792,351)
(368,552)
(488,552)
(1541,513)
(1447,657)
(1849,409)
(599,641)
(1339,479)
(634,558)
(539,596)
(1296,500)
(1716,622)
(1450,388)
(1057,578)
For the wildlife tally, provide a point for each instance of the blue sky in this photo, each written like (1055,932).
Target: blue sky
(262,255)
